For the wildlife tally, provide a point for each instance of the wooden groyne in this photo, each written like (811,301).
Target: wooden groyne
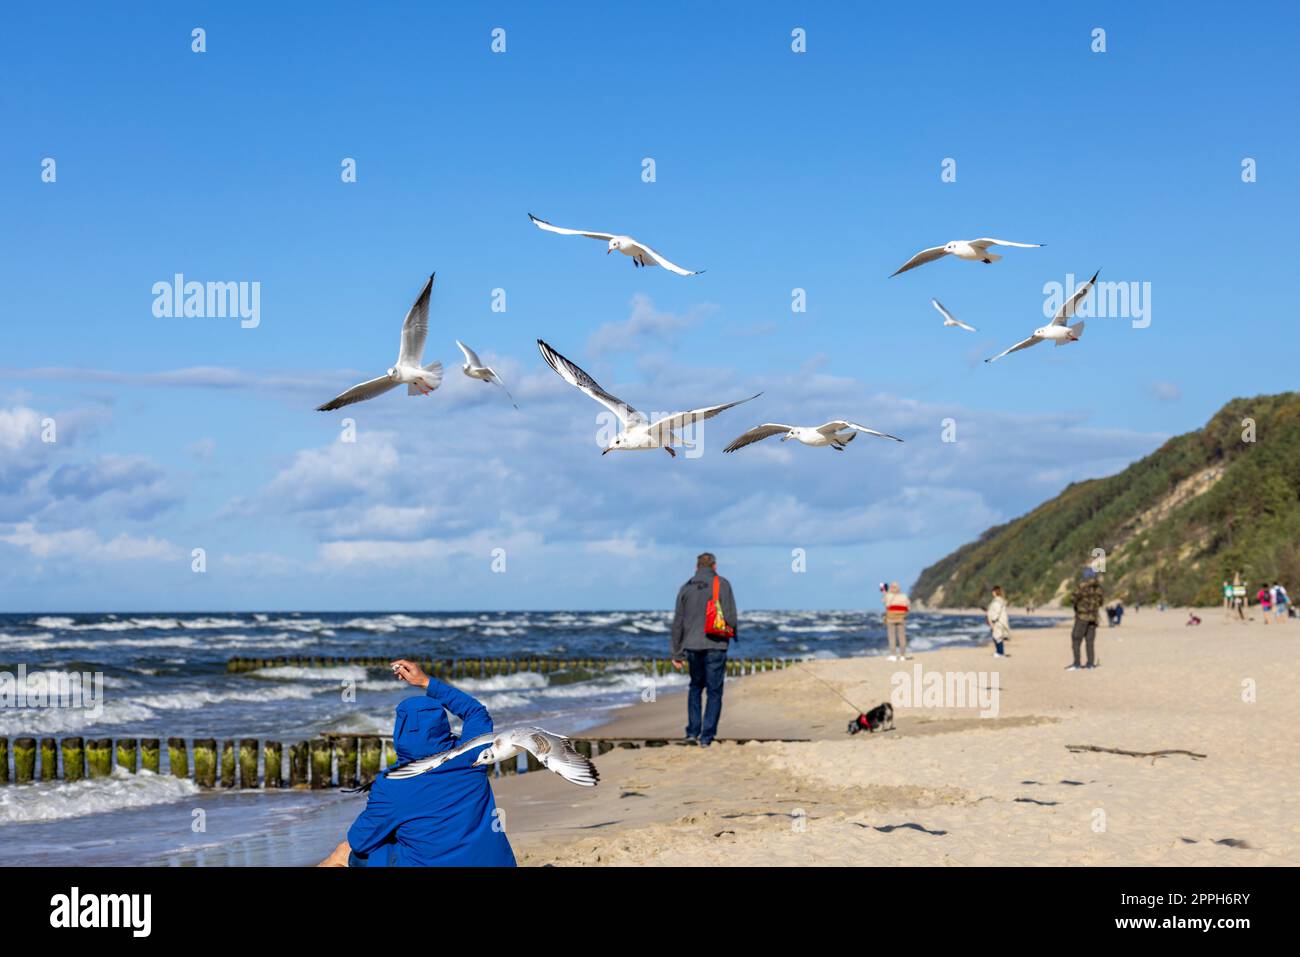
(452,668)
(328,760)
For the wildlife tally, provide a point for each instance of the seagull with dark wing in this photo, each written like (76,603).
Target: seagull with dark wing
(1057,331)
(638,432)
(419,380)
(836,434)
(976,250)
(475,369)
(642,255)
(554,751)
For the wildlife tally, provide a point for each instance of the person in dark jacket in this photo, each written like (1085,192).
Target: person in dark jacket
(1087,600)
(706,654)
(443,818)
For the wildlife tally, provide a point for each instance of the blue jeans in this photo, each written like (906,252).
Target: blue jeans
(708,669)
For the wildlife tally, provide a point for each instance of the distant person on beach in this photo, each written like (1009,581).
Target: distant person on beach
(1087,600)
(1227,599)
(999,621)
(704,623)
(1265,598)
(897,605)
(1239,596)
(444,818)
(1280,600)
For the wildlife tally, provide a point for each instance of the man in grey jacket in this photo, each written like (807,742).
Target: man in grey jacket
(706,654)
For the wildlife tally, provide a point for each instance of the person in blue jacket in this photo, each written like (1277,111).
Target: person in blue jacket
(443,818)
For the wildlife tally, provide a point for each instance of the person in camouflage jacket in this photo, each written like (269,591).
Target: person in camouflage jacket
(1087,600)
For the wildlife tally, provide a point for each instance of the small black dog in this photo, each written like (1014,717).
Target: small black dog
(880,718)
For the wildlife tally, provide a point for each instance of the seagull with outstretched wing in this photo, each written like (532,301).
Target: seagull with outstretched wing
(835,434)
(637,432)
(419,379)
(642,255)
(976,250)
(475,369)
(948,319)
(1057,330)
(554,751)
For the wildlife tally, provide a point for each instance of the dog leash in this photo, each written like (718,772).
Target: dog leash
(829,685)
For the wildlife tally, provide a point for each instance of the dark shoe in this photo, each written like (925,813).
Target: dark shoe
(691,739)
(705,744)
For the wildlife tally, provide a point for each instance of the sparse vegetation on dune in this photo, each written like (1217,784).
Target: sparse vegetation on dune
(1173,525)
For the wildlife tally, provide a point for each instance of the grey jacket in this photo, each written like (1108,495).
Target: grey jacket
(688,619)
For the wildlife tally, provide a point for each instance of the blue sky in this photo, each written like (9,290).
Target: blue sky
(774,171)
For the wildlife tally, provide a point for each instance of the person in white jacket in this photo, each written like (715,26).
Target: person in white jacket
(999,622)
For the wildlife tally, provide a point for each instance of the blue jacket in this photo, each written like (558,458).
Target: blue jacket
(445,817)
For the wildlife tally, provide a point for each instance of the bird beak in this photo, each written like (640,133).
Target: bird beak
(605,452)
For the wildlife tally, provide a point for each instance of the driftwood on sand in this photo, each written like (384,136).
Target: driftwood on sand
(1135,754)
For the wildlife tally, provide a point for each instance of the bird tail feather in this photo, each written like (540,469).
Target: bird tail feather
(435,378)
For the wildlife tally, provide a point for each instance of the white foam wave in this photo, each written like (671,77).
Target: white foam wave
(57,800)
(293,673)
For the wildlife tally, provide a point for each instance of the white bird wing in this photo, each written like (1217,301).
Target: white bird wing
(558,754)
(470,355)
(664,428)
(958,322)
(584,383)
(359,393)
(1066,312)
(543,224)
(414,768)
(671,267)
(986,243)
(1022,344)
(920,259)
(415,329)
(501,382)
(757,434)
(839,425)
(942,311)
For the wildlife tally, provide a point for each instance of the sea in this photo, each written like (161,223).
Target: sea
(165,675)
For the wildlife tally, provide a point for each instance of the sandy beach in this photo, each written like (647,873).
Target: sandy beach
(950,787)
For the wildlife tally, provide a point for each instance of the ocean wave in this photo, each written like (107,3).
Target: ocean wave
(53,801)
(45,721)
(335,673)
(521,679)
(46,642)
(501,700)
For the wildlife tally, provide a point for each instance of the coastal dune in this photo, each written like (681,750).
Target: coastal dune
(949,786)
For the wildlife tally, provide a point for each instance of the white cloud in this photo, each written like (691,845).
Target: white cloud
(86,544)
(644,327)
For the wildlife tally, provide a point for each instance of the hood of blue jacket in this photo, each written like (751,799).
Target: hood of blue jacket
(421,729)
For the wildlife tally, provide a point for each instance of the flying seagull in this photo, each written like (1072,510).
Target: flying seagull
(638,432)
(1058,331)
(419,379)
(554,751)
(948,320)
(642,255)
(836,434)
(972,249)
(475,369)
